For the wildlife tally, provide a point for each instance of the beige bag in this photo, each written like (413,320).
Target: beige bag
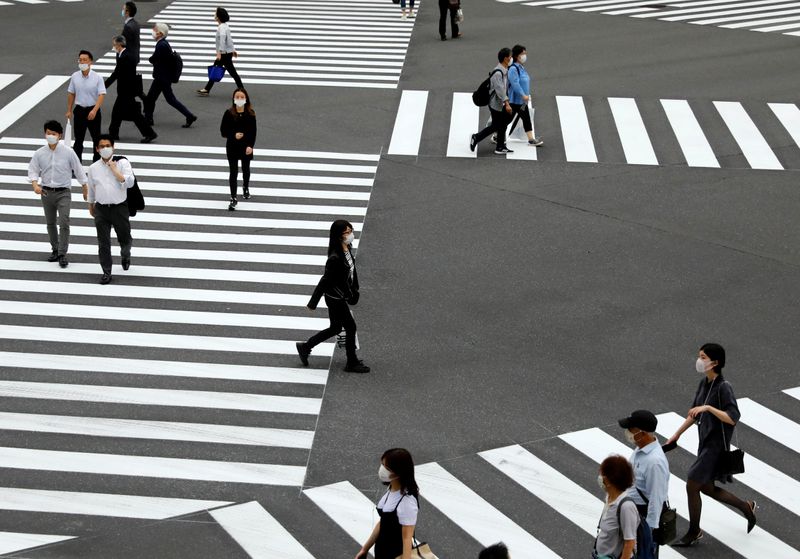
(420,551)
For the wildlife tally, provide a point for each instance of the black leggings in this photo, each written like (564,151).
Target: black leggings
(524,115)
(233,164)
(340,317)
(226,60)
(693,490)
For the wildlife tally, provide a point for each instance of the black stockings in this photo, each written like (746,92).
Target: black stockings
(693,490)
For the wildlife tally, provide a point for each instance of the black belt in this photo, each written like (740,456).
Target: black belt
(125,203)
(55,189)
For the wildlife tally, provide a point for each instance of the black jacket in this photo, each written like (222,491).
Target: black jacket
(162,61)
(336,282)
(241,122)
(131,33)
(125,75)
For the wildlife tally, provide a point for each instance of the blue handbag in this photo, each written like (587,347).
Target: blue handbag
(216,73)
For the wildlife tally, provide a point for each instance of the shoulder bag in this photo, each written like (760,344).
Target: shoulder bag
(420,550)
(730,461)
(667,528)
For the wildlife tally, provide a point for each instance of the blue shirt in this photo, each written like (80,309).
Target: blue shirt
(519,83)
(651,477)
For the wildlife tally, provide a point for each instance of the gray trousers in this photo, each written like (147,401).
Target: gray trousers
(106,217)
(56,214)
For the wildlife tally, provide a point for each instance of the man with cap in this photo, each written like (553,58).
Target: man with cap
(650,466)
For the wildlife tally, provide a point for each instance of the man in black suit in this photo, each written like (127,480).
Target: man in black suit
(164,71)
(128,88)
(131,30)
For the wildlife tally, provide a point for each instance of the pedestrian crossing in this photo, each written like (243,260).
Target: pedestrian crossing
(766,16)
(29,2)
(347,43)
(620,130)
(183,370)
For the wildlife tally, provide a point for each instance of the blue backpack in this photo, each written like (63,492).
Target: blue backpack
(645,546)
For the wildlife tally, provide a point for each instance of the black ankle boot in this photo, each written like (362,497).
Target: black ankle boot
(246,192)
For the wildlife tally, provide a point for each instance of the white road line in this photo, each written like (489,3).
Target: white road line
(693,143)
(474,514)
(772,424)
(205,274)
(744,17)
(152,466)
(464,119)
(789,115)
(160,397)
(100,504)
(632,132)
(759,22)
(551,486)
(708,7)
(762,477)
(291,26)
(208,433)
(778,27)
(407,130)
(164,316)
(523,151)
(346,506)
(17,541)
(163,341)
(258,533)
(722,523)
(744,131)
(577,136)
(27,100)
(8,79)
(248,69)
(148,367)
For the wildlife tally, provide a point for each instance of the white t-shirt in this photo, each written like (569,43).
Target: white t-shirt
(407,507)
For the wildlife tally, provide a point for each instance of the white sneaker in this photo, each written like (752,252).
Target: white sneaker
(404,16)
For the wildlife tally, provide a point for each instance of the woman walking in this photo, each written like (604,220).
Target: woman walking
(394,533)
(616,532)
(519,91)
(403,8)
(238,127)
(339,285)
(225,51)
(715,412)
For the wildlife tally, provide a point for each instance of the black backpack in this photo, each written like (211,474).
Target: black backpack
(177,66)
(135,199)
(645,547)
(483,94)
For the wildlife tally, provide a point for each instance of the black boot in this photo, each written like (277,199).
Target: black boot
(246,192)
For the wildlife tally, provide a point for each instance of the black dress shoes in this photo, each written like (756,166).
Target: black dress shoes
(106,279)
(189,121)
(148,139)
(53,256)
(356,367)
(303,353)
(126,263)
(62,261)
(688,540)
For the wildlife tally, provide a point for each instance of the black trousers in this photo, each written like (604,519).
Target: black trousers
(500,120)
(128,108)
(226,60)
(443,9)
(157,88)
(233,166)
(340,317)
(524,115)
(106,217)
(80,123)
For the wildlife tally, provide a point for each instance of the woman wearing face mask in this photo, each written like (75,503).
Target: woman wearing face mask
(394,533)
(339,285)
(715,412)
(519,87)
(238,127)
(225,51)
(616,532)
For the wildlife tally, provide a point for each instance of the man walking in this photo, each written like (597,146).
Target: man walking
(131,31)
(499,106)
(452,7)
(50,172)
(87,93)
(163,63)
(109,180)
(126,107)
(650,466)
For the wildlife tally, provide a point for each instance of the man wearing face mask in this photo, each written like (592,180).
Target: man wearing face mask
(650,466)
(50,172)
(126,107)
(86,92)
(109,181)
(131,30)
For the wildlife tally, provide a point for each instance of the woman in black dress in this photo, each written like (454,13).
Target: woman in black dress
(339,285)
(239,129)
(715,412)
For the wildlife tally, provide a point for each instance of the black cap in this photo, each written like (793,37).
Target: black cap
(641,419)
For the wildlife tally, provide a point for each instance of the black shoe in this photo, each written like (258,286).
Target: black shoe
(503,150)
(189,121)
(62,261)
(106,279)
(473,141)
(126,263)
(53,256)
(148,139)
(751,520)
(688,539)
(356,367)
(303,353)
(444,38)
(246,192)
(232,205)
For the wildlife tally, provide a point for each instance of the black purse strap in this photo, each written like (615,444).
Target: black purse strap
(722,426)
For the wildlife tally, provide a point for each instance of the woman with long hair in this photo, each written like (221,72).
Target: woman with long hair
(339,285)
(715,412)
(239,129)
(226,52)
(393,535)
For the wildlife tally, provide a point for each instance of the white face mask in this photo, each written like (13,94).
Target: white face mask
(384,474)
(122,13)
(700,366)
(600,482)
(52,139)
(239,102)
(155,36)
(106,153)
(349,239)
(523,58)
(83,67)
(630,437)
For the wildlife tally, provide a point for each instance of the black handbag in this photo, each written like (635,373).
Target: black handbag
(731,462)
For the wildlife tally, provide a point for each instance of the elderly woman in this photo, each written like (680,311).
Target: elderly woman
(616,532)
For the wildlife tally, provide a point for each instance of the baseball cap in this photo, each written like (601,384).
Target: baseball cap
(640,419)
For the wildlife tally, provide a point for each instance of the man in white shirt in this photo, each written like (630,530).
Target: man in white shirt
(109,181)
(86,91)
(50,172)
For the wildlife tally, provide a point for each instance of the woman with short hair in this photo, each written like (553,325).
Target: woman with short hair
(616,532)
(225,51)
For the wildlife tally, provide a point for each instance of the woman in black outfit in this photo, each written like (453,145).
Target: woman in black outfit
(715,412)
(339,284)
(239,129)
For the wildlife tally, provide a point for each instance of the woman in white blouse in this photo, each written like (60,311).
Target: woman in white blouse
(225,51)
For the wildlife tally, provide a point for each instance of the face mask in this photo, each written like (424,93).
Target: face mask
(630,437)
(155,36)
(523,58)
(122,13)
(239,102)
(83,67)
(106,153)
(52,139)
(700,366)
(384,474)
(349,239)
(600,482)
